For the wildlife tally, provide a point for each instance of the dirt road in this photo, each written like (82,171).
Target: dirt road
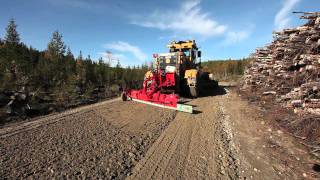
(194,146)
(224,139)
(104,140)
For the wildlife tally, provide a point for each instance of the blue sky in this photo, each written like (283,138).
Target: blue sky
(134,30)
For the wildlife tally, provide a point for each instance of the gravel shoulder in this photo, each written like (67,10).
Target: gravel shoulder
(103,140)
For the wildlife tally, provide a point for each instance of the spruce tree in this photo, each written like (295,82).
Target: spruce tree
(70,64)
(80,71)
(56,46)
(80,57)
(12,36)
(69,53)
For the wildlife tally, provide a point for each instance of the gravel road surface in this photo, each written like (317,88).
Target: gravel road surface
(226,138)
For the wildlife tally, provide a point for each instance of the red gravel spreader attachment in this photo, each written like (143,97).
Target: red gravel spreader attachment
(155,92)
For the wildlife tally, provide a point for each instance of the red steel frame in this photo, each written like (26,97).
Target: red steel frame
(151,90)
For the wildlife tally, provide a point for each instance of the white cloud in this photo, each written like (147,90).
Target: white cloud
(235,37)
(120,56)
(113,59)
(282,19)
(125,47)
(189,19)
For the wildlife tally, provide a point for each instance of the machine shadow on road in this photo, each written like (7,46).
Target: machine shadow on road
(209,90)
(218,91)
(196,112)
(206,91)
(212,89)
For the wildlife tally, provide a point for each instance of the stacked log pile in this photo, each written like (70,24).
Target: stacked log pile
(289,67)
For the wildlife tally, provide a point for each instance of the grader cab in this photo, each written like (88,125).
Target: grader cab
(183,59)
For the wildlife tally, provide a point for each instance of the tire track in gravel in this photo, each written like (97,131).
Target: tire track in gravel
(194,146)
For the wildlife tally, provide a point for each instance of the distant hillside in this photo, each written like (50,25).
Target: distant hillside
(225,69)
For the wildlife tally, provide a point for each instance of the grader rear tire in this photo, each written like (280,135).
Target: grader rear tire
(193,91)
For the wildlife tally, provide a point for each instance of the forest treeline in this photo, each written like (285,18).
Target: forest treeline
(43,81)
(226,70)
(54,77)
(56,67)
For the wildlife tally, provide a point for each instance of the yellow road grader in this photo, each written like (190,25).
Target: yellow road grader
(175,73)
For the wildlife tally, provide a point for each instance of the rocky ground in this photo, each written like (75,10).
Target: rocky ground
(226,138)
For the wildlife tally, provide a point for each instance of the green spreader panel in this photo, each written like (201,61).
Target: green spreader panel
(184,108)
(180,107)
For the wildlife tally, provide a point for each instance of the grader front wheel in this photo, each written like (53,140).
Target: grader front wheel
(193,91)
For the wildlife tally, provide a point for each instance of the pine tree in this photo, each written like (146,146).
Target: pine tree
(90,72)
(80,71)
(118,64)
(80,57)
(56,46)
(69,53)
(70,63)
(12,36)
